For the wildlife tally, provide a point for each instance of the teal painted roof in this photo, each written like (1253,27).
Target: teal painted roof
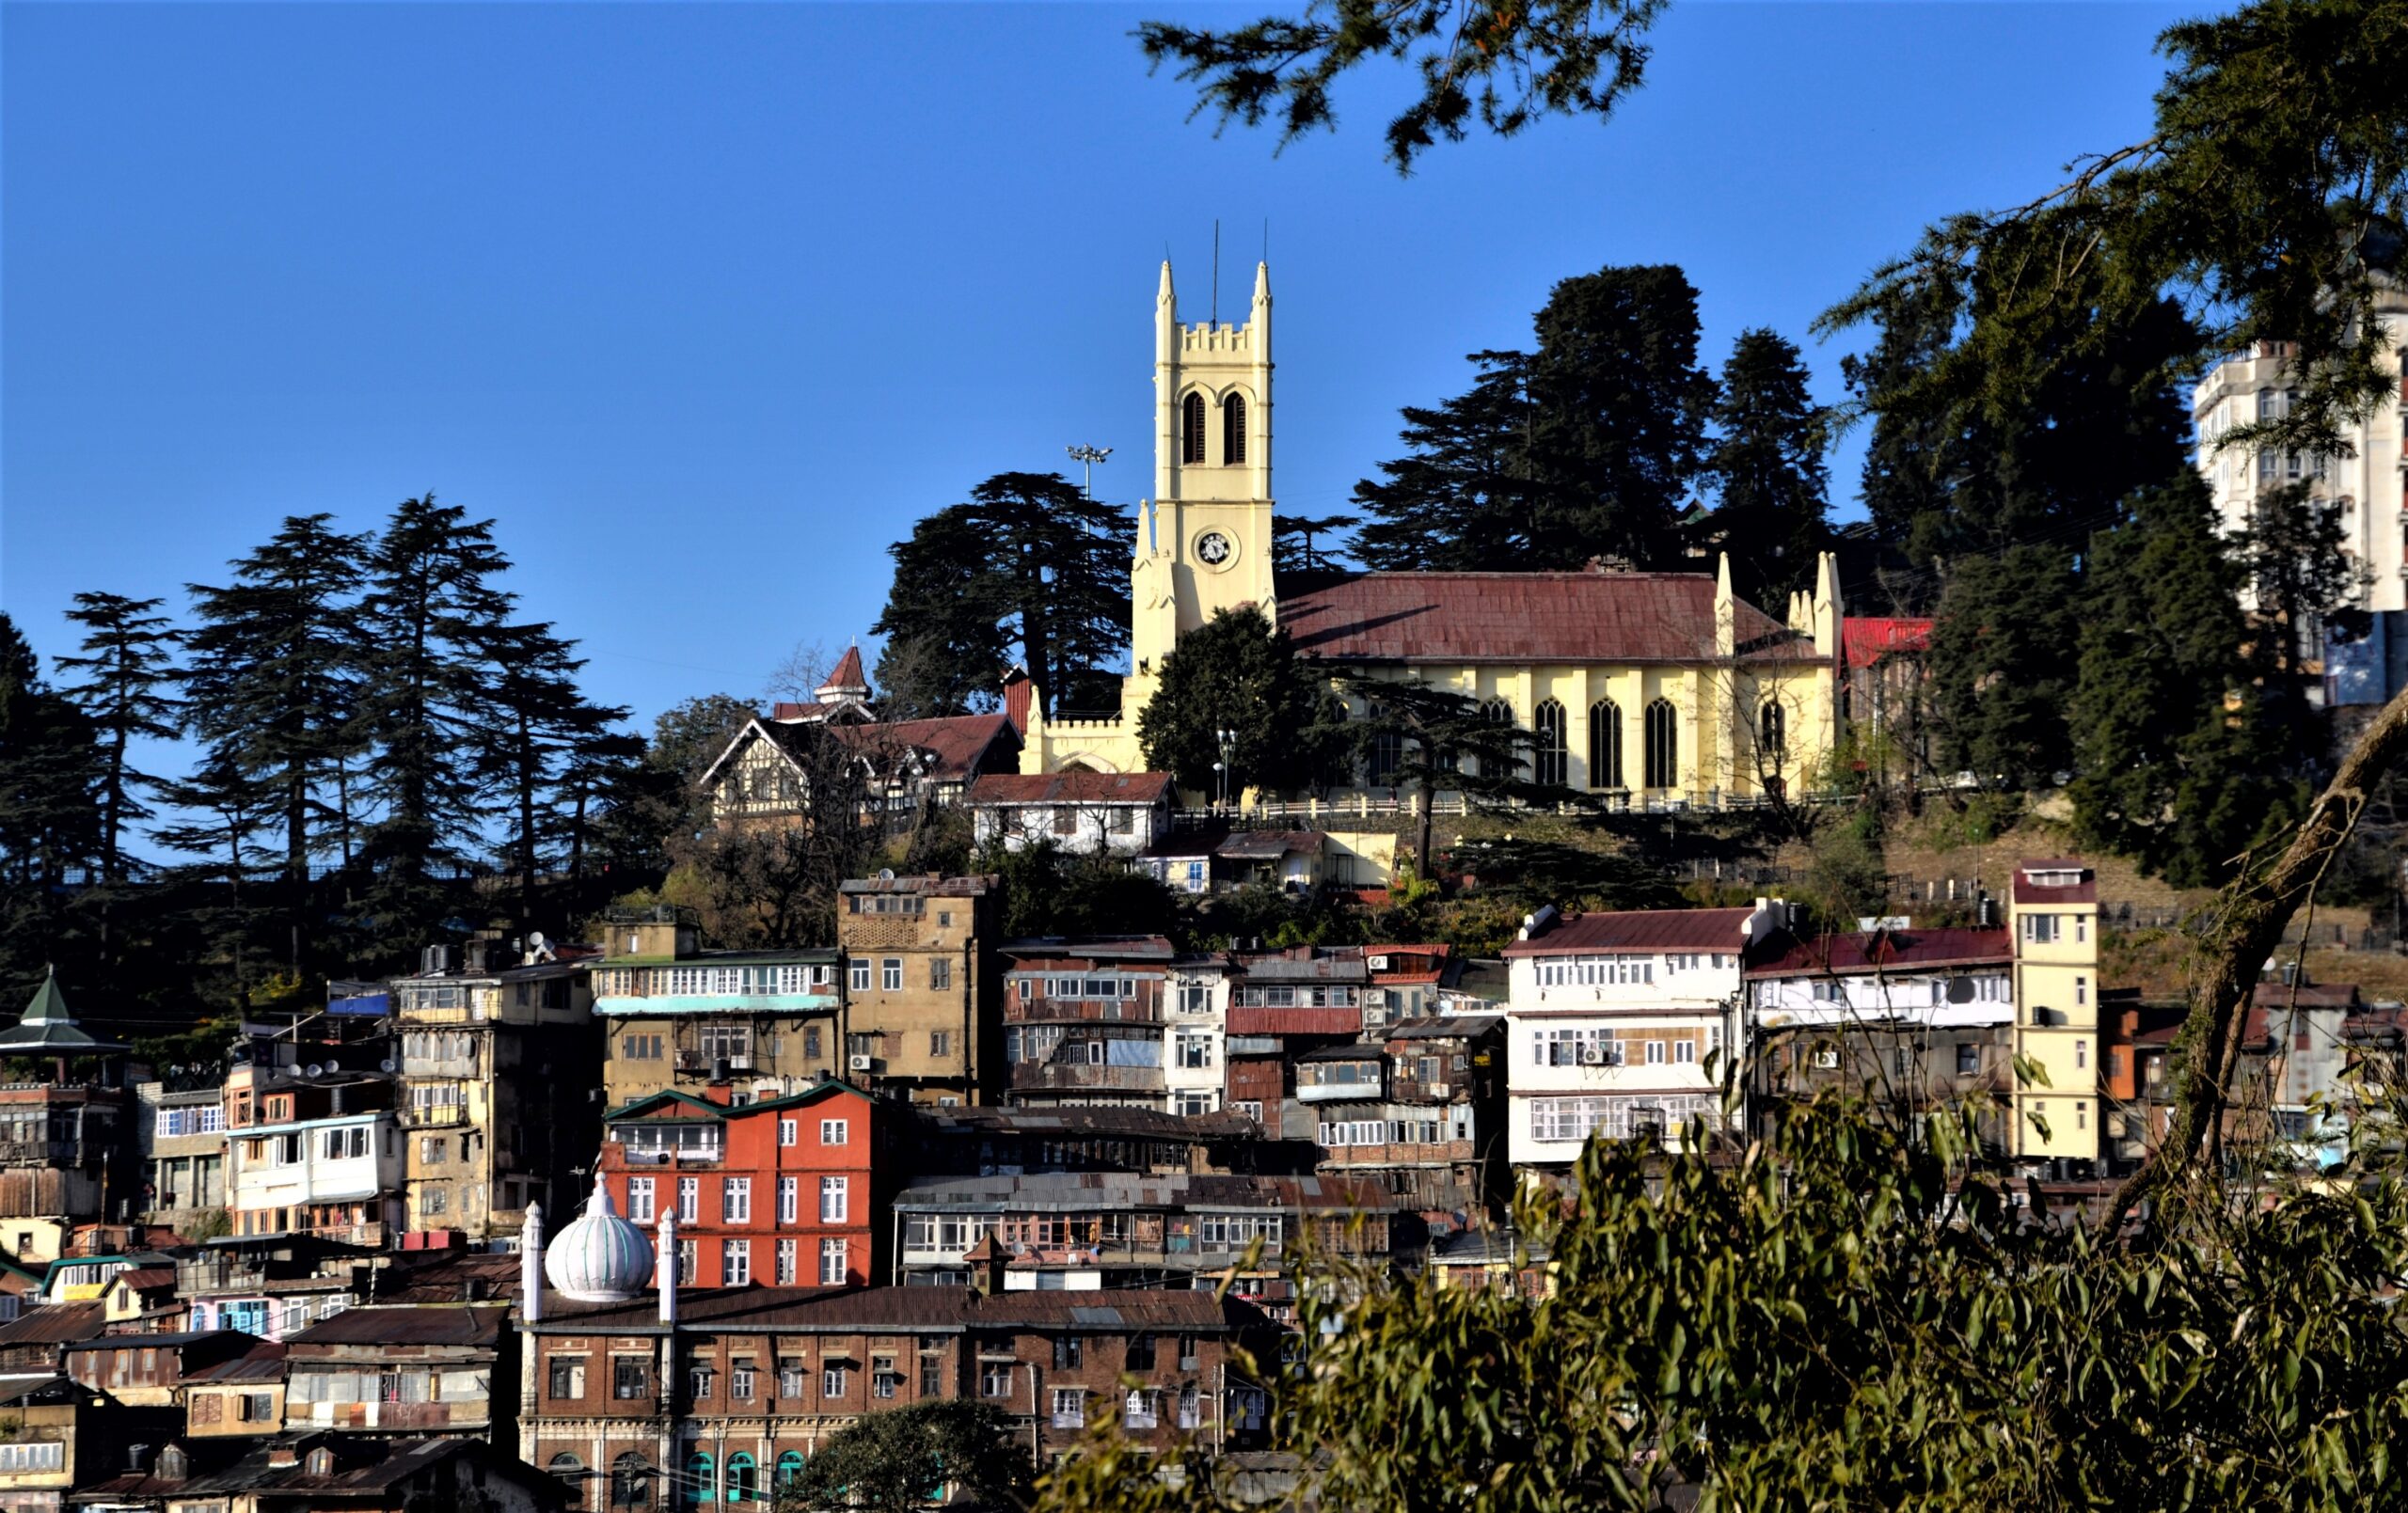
(48,1027)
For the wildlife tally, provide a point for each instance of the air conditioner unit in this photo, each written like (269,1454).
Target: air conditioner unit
(1592,1055)
(1377,963)
(1827,1059)
(859,1063)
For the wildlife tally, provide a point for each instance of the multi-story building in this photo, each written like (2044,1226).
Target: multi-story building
(425,1369)
(1076,1230)
(678,1018)
(328,1472)
(2052,912)
(920,997)
(1083,1019)
(1914,1019)
(1615,1020)
(499,1062)
(1408,983)
(646,1398)
(777,1190)
(65,1149)
(272,1286)
(1195,1012)
(1084,812)
(63,1435)
(182,1135)
(1285,1004)
(992,1142)
(1418,1108)
(2362,491)
(315,1150)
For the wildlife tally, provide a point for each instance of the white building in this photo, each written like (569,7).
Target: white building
(1933,979)
(338,1175)
(1613,1020)
(1119,813)
(1196,1018)
(2363,489)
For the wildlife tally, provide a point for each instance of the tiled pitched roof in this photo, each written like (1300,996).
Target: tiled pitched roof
(1080,787)
(1866,641)
(1525,617)
(1640,930)
(956,744)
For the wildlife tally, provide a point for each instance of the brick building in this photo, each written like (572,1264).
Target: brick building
(678,1017)
(779,1191)
(1083,1019)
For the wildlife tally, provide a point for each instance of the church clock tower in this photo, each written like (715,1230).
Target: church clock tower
(1205,544)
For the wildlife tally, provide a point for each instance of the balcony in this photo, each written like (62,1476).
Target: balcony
(677,1159)
(1082,1010)
(435,1116)
(1088,1077)
(1363,1092)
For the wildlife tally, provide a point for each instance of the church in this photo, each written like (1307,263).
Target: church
(1644,689)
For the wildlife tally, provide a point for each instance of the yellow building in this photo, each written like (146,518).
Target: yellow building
(2052,911)
(1645,688)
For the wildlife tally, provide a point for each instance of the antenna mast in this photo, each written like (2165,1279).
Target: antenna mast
(1216,270)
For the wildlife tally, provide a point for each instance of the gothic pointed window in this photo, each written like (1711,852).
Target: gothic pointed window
(1663,745)
(1553,758)
(1191,429)
(1233,428)
(1498,712)
(1772,734)
(1605,744)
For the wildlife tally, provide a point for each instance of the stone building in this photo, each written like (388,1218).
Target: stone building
(921,999)
(1083,1019)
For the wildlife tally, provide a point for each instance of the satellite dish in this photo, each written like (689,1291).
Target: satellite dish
(1960,990)
(535,940)
(387,1066)
(315,1069)
(886,875)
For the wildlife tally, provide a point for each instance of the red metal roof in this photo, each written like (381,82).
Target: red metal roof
(1640,930)
(2024,891)
(1784,955)
(1867,642)
(1079,787)
(848,674)
(956,744)
(1526,617)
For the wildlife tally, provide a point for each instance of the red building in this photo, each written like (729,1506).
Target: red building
(777,1192)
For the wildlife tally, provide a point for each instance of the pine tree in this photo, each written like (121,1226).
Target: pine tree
(1297,548)
(540,726)
(1767,471)
(227,817)
(1914,451)
(49,830)
(2002,665)
(1414,736)
(1584,448)
(2298,574)
(2181,767)
(129,663)
(1237,673)
(275,685)
(1027,561)
(432,616)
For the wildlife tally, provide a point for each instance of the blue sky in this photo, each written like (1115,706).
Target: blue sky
(705,305)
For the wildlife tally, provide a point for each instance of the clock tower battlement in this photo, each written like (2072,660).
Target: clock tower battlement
(1204,544)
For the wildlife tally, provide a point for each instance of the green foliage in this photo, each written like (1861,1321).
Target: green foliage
(1768,471)
(1505,64)
(2301,577)
(1297,546)
(1238,674)
(51,770)
(1044,890)
(1530,875)
(1028,560)
(128,660)
(1852,1321)
(2181,767)
(895,1460)
(2001,664)
(1584,448)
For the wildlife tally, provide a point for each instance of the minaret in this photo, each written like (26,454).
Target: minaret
(667,1268)
(530,1266)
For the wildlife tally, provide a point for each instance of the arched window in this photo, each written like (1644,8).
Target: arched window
(1605,744)
(789,1469)
(702,1478)
(1191,429)
(742,1484)
(630,1481)
(1498,712)
(1663,745)
(565,1466)
(1772,734)
(1554,760)
(1233,428)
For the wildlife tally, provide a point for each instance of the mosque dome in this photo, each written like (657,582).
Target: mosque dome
(599,1257)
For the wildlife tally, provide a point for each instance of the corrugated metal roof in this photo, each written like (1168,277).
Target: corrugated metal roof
(1640,930)
(1523,617)
(55,1324)
(470,1324)
(1782,955)
(1091,948)
(1075,787)
(1268,845)
(1322,1021)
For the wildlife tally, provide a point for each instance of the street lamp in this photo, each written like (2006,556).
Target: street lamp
(1087,457)
(1228,743)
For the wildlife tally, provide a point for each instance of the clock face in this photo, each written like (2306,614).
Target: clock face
(1214,548)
